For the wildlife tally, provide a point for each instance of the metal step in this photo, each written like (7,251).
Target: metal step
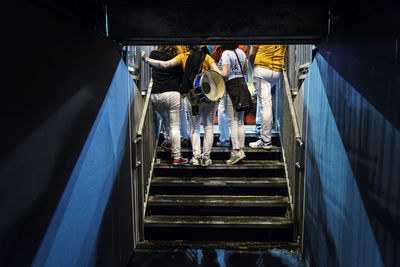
(268,168)
(229,245)
(216,149)
(272,186)
(221,164)
(244,203)
(218,221)
(219,181)
(218,228)
(221,201)
(223,153)
(224,205)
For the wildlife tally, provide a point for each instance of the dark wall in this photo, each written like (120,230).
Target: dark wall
(56,75)
(352,129)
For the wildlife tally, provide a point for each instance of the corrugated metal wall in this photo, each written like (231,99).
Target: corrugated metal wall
(352,154)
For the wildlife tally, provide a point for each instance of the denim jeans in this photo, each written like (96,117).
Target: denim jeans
(223,124)
(184,122)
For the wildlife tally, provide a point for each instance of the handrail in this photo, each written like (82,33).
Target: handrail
(291,106)
(143,116)
(292,148)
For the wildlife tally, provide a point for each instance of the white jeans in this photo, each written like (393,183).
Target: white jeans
(223,125)
(207,111)
(235,120)
(168,105)
(263,80)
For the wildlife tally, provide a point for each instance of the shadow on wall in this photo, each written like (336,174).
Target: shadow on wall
(353,154)
(58,74)
(71,238)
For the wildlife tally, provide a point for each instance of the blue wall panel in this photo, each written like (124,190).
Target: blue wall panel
(64,114)
(351,126)
(72,235)
(352,175)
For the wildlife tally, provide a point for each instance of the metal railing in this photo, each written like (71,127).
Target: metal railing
(298,57)
(292,145)
(145,128)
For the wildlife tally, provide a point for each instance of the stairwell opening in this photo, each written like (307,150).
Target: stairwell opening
(256,203)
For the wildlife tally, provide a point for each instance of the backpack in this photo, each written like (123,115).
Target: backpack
(193,66)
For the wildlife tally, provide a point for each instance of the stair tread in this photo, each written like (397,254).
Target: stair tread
(248,132)
(233,245)
(274,149)
(217,221)
(219,181)
(228,245)
(218,200)
(221,164)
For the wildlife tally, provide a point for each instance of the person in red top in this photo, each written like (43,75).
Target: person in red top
(217,52)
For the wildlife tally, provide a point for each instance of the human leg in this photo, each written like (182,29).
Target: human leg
(223,124)
(173,99)
(263,80)
(194,130)
(263,87)
(258,116)
(207,111)
(237,132)
(185,136)
(161,108)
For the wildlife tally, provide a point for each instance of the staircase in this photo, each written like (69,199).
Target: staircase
(246,204)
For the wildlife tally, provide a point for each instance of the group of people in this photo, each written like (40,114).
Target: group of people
(172,66)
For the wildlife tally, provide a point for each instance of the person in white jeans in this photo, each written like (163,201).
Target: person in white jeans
(268,62)
(263,81)
(207,112)
(166,100)
(230,70)
(168,105)
(235,120)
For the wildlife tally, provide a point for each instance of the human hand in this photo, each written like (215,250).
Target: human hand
(143,55)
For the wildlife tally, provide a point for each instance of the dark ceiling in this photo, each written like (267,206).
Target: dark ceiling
(188,21)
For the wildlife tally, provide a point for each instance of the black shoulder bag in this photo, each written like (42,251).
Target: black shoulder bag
(239,92)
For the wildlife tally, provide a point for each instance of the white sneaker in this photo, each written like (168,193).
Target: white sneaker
(207,162)
(260,144)
(242,154)
(234,158)
(195,161)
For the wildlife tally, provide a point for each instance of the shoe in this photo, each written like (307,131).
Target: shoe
(242,154)
(223,143)
(206,162)
(185,143)
(234,158)
(181,161)
(195,161)
(166,145)
(260,144)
